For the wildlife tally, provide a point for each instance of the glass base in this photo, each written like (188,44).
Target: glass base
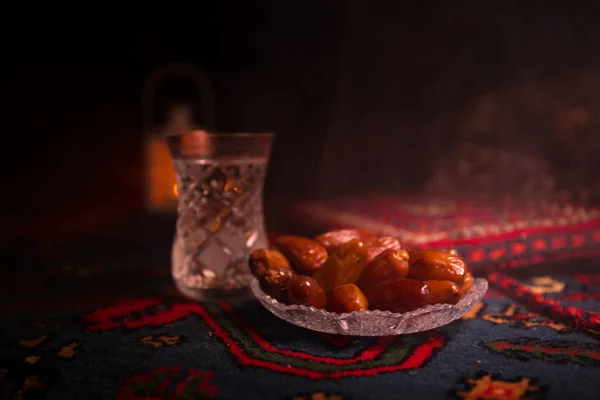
(199,294)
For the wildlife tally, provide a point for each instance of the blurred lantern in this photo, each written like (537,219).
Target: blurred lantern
(161,184)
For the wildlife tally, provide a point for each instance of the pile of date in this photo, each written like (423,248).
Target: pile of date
(353,270)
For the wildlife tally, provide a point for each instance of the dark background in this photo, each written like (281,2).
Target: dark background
(364,96)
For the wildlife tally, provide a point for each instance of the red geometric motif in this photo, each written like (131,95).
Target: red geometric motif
(539,244)
(372,360)
(582,296)
(423,220)
(535,259)
(578,240)
(559,242)
(577,318)
(415,360)
(511,234)
(518,248)
(367,355)
(589,279)
(192,384)
(477,255)
(497,253)
(554,351)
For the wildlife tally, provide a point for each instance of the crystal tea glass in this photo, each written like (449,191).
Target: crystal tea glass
(220,180)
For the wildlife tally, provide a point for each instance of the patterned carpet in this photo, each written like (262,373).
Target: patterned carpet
(98,318)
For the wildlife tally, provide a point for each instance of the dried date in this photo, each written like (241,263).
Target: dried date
(436,265)
(378,245)
(261,260)
(347,298)
(305,255)
(343,265)
(276,282)
(398,295)
(306,291)
(467,285)
(390,264)
(445,292)
(333,240)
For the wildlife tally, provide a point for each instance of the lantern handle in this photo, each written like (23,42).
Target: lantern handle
(194,74)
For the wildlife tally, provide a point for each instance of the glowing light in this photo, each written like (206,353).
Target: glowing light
(160,175)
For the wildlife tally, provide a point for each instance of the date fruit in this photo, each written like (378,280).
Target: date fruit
(343,265)
(305,255)
(398,295)
(467,285)
(333,240)
(436,265)
(391,264)
(306,291)
(261,260)
(347,298)
(276,282)
(444,292)
(378,245)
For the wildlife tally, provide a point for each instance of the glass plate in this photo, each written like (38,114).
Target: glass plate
(372,323)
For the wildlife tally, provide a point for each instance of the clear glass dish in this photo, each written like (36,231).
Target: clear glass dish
(372,323)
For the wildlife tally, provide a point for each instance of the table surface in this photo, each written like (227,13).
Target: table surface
(97,317)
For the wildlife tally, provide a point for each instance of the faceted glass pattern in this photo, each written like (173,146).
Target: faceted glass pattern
(220,218)
(372,323)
